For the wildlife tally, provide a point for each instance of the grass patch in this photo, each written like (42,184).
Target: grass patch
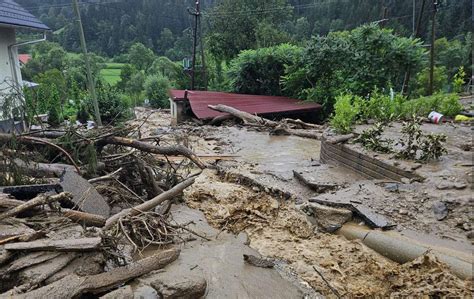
(111,73)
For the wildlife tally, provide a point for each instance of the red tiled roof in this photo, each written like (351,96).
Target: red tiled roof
(255,104)
(24,58)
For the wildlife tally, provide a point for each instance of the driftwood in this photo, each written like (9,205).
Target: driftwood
(302,124)
(48,269)
(340,139)
(73,286)
(108,177)
(84,218)
(37,201)
(279,128)
(177,150)
(29,260)
(82,244)
(247,118)
(151,204)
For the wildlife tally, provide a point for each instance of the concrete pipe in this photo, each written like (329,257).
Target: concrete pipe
(402,249)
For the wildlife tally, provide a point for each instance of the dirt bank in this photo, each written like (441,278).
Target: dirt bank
(278,230)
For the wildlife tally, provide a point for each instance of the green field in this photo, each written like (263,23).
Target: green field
(111,73)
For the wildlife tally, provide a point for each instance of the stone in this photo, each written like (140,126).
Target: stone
(145,292)
(440,210)
(392,187)
(466,226)
(176,285)
(121,293)
(470,235)
(85,196)
(328,218)
(403,212)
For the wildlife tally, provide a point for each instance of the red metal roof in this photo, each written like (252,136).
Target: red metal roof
(255,104)
(24,58)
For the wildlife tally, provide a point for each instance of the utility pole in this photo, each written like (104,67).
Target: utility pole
(196,15)
(406,80)
(384,15)
(432,48)
(414,16)
(88,65)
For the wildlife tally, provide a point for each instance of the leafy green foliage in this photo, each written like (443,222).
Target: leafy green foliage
(259,71)
(345,113)
(419,146)
(113,106)
(356,61)
(157,90)
(440,80)
(446,104)
(372,139)
(140,56)
(458,80)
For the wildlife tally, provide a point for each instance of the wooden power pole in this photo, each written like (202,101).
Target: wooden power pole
(88,65)
(196,15)
(432,48)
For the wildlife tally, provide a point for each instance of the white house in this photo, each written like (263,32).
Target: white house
(12,18)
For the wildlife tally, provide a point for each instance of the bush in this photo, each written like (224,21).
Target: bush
(446,104)
(157,90)
(354,61)
(112,107)
(54,117)
(440,80)
(345,113)
(458,80)
(259,71)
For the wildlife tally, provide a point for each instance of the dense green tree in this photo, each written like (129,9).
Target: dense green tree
(140,56)
(157,91)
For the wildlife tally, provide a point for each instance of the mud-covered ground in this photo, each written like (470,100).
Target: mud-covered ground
(278,230)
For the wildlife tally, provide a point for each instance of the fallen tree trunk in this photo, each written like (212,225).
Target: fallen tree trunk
(177,150)
(340,139)
(151,204)
(302,124)
(82,244)
(84,218)
(73,286)
(280,130)
(37,201)
(246,117)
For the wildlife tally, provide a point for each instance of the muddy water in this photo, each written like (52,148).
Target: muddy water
(280,154)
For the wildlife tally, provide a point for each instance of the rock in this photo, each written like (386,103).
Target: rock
(122,293)
(460,186)
(327,217)
(258,261)
(85,195)
(392,187)
(466,226)
(176,285)
(470,235)
(440,210)
(403,212)
(145,292)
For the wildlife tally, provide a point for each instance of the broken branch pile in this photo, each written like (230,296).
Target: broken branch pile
(76,235)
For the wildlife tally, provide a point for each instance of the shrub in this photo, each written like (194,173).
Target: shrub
(345,113)
(259,71)
(372,139)
(54,117)
(440,80)
(111,105)
(157,90)
(446,104)
(458,80)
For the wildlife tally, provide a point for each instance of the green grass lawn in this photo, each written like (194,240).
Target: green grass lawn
(111,73)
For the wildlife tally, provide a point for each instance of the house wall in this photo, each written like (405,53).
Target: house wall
(7,69)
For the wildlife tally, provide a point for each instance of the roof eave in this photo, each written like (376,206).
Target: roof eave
(15,26)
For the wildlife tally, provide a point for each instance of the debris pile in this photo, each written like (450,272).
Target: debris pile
(77,207)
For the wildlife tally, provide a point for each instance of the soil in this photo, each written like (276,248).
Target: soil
(279,230)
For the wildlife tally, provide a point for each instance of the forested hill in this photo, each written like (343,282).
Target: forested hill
(113,25)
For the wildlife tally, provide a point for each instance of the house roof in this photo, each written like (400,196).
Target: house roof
(255,104)
(13,15)
(24,58)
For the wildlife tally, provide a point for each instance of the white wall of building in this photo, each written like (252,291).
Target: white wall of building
(7,68)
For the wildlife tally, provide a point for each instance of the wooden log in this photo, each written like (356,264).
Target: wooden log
(37,201)
(340,139)
(84,218)
(177,150)
(73,286)
(151,204)
(302,124)
(82,244)
(246,117)
(280,130)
